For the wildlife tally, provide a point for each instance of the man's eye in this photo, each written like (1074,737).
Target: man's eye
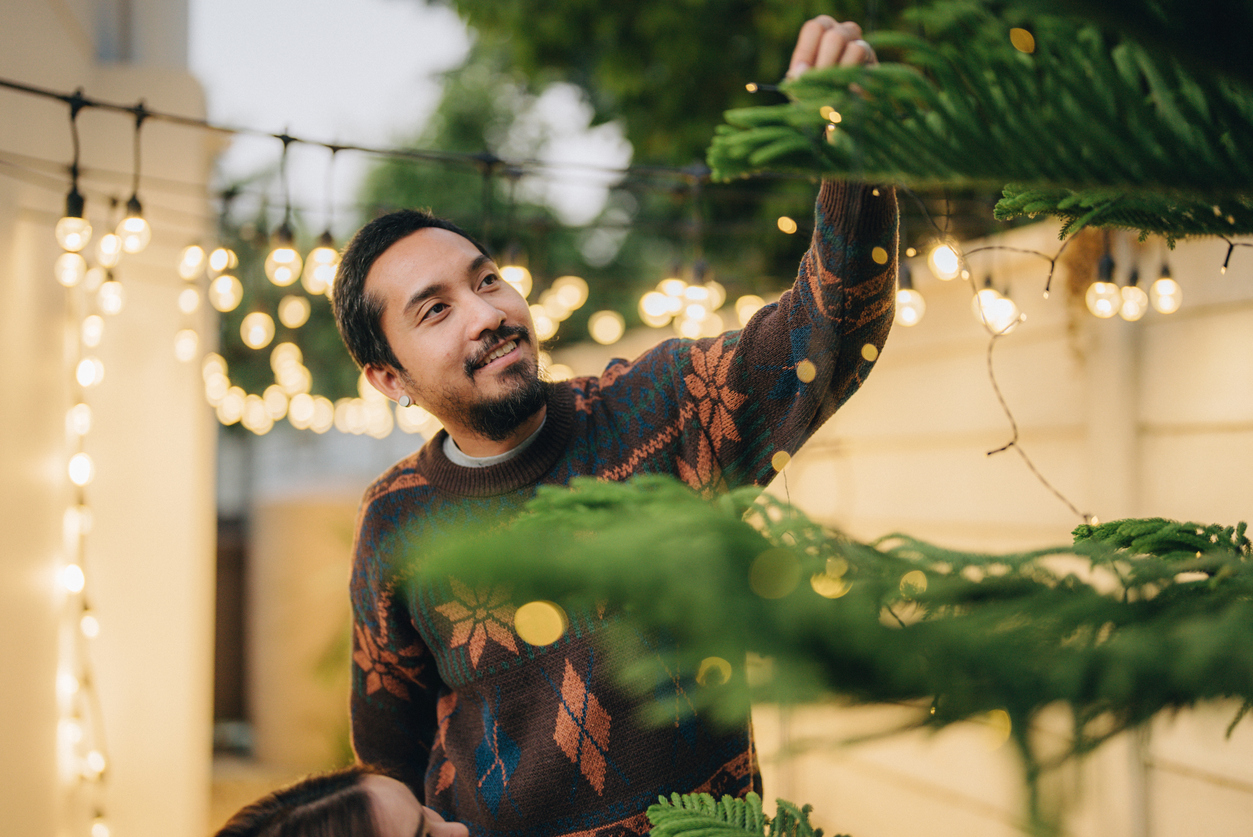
(437,308)
(491,279)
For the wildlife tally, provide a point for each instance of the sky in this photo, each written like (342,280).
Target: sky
(364,72)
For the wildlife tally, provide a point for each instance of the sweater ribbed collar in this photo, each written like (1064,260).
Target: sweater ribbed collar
(504,477)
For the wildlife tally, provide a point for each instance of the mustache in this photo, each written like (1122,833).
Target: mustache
(490,341)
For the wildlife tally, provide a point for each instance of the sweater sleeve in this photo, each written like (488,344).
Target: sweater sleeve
(743,397)
(395,683)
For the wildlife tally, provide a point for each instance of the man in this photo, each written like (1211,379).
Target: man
(519,740)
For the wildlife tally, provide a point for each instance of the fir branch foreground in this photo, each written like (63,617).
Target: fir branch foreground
(1090,126)
(700,815)
(1134,618)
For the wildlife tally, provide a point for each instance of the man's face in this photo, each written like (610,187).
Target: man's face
(463,335)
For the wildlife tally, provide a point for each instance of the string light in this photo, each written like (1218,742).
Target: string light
(73,232)
(283,264)
(322,261)
(1165,294)
(910,306)
(69,269)
(225,293)
(191,261)
(111,297)
(134,230)
(1103,297)
(293,311)
(1135,302)
(257,330)
(944,261)
(606,327)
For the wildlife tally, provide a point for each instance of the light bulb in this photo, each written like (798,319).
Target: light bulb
(571,290)
(225,293)
(1104,299)
(545,326)
(190,261)
(95,277)
(111,297)
(89,625)
(257,330)
(73,233)
(746,306)
(92,330)
(786,225)
(944,261)
(1004,316)
(186,342)
(222,258)
(72,578)
(81,469)
(78,419)
(89,372)
(1135,302)
(293,311)
(606,327)
(518,277)
(69,268)
(654,309)
(320,266)
(134,230)
(109,250)
(672,287)
(910,306)
(1166,295)
(282,266)
(188,300)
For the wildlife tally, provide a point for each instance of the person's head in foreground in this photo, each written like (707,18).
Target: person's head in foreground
(356,801)
(423,310)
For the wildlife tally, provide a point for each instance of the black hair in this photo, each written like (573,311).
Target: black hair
(358,316)
(334,804)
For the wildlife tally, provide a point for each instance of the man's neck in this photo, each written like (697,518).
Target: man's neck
(472,444)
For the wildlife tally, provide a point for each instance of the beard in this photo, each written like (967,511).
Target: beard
(497,418)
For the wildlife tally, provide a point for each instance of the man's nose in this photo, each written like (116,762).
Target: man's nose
(485,317)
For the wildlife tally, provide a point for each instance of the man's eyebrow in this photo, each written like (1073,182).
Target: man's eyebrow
(437,288)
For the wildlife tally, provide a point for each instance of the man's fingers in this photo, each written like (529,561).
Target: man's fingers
(858,52)
(824,42)
(806,52)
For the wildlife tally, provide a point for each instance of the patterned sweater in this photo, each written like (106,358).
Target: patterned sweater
(516,740)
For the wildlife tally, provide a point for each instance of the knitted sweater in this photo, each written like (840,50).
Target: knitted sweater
(516,740)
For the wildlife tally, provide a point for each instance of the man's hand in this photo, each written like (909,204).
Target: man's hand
(824,42)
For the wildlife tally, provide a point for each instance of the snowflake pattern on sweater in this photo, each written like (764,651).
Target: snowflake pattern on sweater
(516,740)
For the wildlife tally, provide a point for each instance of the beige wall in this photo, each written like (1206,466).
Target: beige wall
(149,556)
(1125,419)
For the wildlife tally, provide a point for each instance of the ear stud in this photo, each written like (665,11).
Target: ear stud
(404,401)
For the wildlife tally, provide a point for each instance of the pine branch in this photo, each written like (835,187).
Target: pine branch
(1119,135)
(699,815)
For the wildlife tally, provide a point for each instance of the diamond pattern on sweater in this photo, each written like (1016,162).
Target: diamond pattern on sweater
(495,759)
(582,730)
(479,615)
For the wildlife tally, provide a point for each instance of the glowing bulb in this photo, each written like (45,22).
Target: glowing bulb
(540,623)
(518,277)
(111,297)
(134,232)
(786,225)
(746,306)
(282,266)
(606,327)
(73,233)
(109,250)
(222,259)
(186,342)
(67,685)
(188,300)
(69,268)
(275,401)
(323,414)
(95,762)
(92,330)
(293,311)
(672,287)
(225,293)
(300,411)
(944,262)
(257,330)
(78,419)
(545,326)
(1135,303)
(95,277)
(285,355)
(654,309)
(319,273)
(190,261)
(1166,295)
(89,372)
(99,828)
(910,306)
(571,291)
(89,625)
(1103,299)
(72,578)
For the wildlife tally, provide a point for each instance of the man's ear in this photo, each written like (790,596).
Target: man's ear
(385,379)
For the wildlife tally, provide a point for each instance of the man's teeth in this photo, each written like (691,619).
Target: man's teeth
(501,352)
